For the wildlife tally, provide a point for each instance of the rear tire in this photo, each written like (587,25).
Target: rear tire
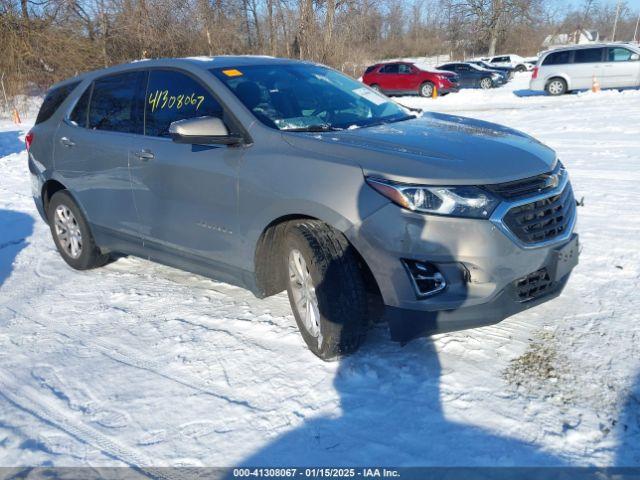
(426,89)
(71,233)
(326,289)
(521,68)
(556,86)
(486,83)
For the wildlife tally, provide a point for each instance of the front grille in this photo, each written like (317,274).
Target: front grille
(533,286)
(542,220)
(529,186)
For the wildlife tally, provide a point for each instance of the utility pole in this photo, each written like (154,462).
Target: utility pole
(615,22)
(635,32)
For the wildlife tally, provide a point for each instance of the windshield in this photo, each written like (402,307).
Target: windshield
(304,97)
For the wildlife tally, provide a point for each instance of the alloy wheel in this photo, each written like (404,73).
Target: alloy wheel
(556,87)
(304,293)
(485,83)
(68,231)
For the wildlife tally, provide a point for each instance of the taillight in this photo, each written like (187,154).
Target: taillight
(28,138)
(535,73)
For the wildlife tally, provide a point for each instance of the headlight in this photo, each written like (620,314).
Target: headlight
(462,201)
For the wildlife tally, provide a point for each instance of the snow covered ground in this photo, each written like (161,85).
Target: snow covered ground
(141,364)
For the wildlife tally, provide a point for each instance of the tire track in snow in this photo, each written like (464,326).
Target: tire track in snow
(30,401)
(132,359)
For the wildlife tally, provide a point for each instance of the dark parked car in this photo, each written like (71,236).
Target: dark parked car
(274,174)
(471,76)
(403,78)
(507,72)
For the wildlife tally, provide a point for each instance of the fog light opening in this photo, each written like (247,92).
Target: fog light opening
(427,280)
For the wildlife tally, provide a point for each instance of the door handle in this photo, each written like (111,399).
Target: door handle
(67,142)
(144,155)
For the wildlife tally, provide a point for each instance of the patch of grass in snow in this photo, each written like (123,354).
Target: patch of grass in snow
(539,367)
(543,372)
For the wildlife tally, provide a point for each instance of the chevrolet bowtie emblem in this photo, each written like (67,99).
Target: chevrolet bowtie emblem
(551,181)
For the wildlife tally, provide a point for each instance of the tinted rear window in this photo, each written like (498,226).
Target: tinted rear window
(557,58)
(587,55)
(117,103)
(53,100)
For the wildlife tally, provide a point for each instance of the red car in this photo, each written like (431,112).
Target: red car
(402,78)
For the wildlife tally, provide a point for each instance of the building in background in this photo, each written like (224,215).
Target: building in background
(579,37)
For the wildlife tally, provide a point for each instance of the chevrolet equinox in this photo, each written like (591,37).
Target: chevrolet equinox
(275,174)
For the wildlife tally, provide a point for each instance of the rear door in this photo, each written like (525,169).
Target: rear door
(621,68)
(185,195)
(91,149)
(587,64)
(389,77)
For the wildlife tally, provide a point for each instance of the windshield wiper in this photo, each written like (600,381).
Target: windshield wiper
(323,127)
(394,120)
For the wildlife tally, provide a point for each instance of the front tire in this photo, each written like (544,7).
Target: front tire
(71,233)
(376,87)
(326,289)
(521,68)
(556,86)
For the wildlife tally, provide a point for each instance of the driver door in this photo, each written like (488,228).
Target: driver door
(408,79)
(621,68)
(185,195)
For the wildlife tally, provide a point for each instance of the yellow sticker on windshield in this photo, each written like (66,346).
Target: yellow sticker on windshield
(232,72)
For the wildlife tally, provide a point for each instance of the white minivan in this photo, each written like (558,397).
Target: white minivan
(613,65)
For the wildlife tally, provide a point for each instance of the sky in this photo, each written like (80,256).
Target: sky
(633,4)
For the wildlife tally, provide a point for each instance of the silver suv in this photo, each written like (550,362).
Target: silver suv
(275,174)
(613,65)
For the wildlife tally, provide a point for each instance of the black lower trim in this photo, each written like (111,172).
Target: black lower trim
(126,244)
(407,324)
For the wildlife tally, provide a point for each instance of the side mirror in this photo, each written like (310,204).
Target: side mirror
(635,57)
(202,131)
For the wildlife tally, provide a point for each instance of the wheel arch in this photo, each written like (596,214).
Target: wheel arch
(560,76)
(271,277)
(49,188)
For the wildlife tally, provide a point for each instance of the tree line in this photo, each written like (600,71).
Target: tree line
(44,41)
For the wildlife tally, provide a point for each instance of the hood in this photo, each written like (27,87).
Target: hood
(435,149)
